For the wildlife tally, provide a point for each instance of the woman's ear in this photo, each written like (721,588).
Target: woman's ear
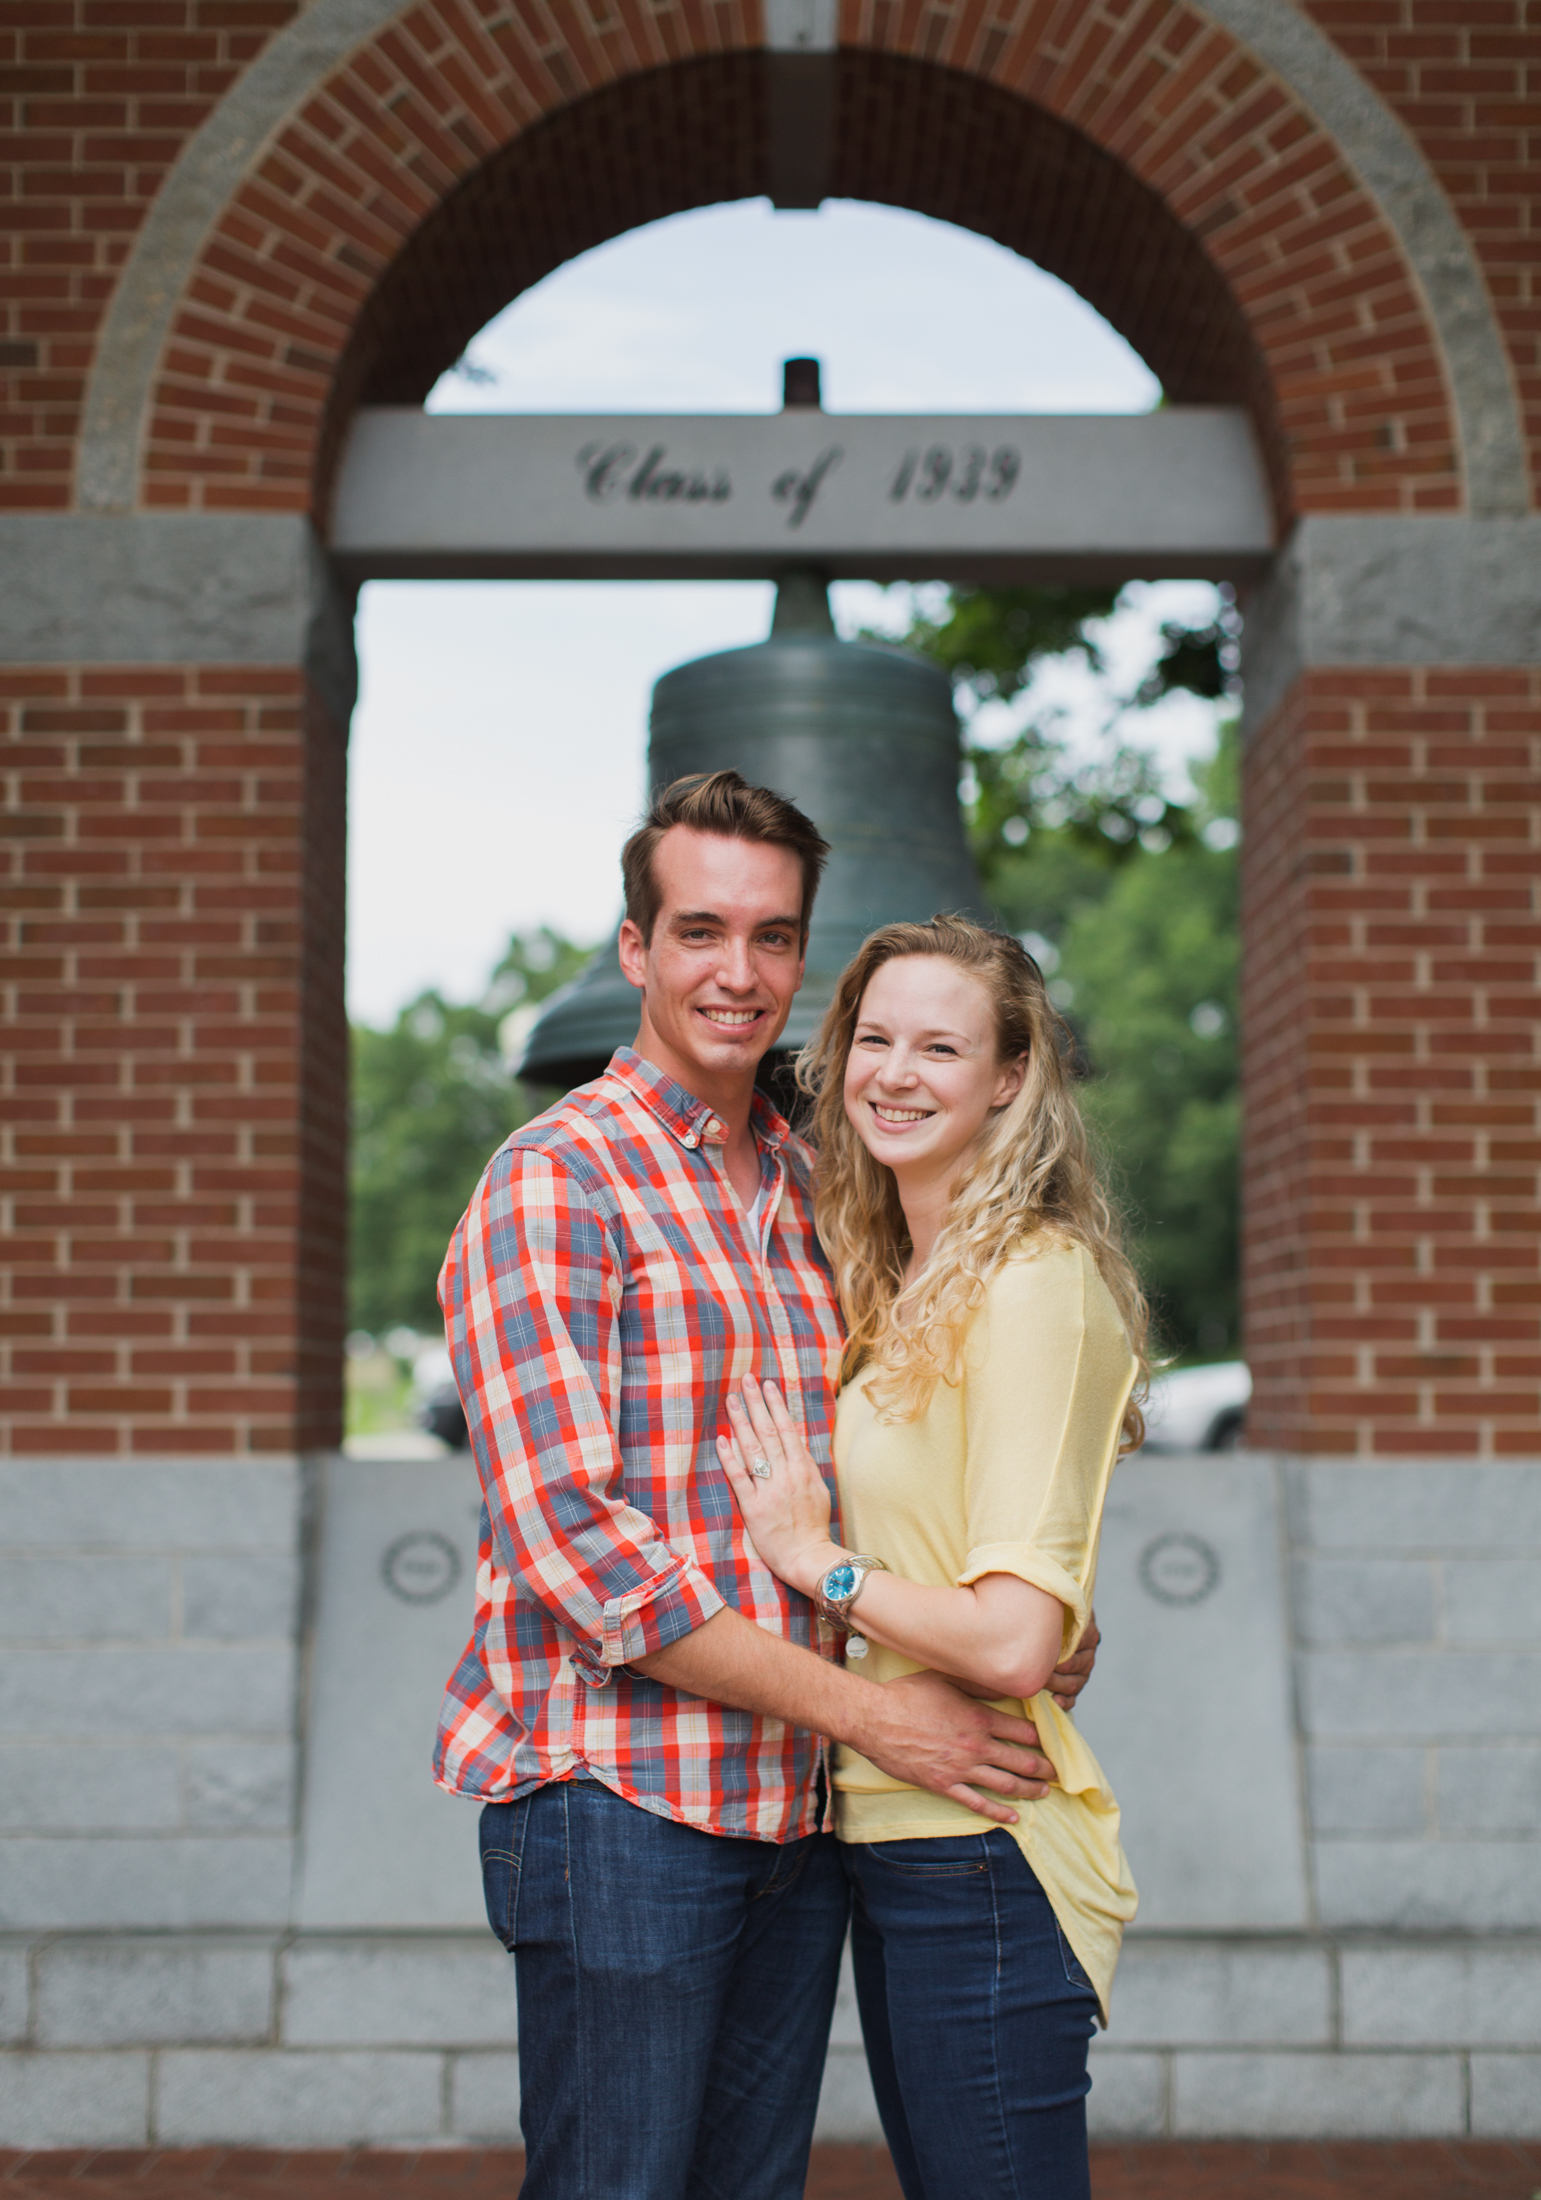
(1010,1082)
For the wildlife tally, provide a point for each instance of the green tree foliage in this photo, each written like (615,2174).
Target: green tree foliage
(990,639)
(1129,899)
(1149,974)
(433,1098)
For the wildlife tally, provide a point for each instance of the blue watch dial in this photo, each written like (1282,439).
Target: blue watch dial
(839,1582)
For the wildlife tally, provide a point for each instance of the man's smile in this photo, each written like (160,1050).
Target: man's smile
(733,1019)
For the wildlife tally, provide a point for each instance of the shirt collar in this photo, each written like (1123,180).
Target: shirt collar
(682,1115)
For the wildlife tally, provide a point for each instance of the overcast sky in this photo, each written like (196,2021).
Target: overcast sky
(498,747)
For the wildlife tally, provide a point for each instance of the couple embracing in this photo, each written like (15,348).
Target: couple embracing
(794,1464)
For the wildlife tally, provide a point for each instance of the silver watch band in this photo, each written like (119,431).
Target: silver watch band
(837,1609)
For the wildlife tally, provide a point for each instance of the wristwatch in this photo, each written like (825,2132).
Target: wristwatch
(837,1591)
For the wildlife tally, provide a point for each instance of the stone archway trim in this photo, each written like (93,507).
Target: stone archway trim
(1394,171)
(203,180)
(299,59)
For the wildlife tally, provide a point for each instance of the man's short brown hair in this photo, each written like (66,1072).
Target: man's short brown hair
(723,803)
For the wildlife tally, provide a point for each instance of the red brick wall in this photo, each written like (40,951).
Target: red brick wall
(1393,1284)
(174,1061)
(97,98)
(1464,76)
(1275,917)
(176,1097)
(321,1257)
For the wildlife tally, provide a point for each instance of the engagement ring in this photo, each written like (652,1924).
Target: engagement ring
(761,1467)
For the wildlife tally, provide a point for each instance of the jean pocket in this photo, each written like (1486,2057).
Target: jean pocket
(501,1834)
(787,1868)
(961,1853)
(1071,1961)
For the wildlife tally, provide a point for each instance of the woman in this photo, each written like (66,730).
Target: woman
(996,1341)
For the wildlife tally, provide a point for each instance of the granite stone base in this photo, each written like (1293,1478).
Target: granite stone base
(318,2041)
(233,1909)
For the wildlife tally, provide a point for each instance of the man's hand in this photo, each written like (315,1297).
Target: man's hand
(1067,1681)
(924,1731)
(920,1729)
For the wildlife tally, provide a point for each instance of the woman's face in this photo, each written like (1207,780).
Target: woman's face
(923,1077)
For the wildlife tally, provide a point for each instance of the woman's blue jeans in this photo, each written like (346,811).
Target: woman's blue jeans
(675,1993)
(977,2019)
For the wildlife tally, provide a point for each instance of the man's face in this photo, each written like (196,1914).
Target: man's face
(726,958)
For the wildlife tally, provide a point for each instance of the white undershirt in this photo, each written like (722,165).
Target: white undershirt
(756,1213)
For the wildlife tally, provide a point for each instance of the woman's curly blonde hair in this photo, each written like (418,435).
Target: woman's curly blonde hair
(1032,1173)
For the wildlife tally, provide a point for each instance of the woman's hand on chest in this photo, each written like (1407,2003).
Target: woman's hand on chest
(783,1498)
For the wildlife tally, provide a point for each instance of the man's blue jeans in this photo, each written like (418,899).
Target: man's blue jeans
(675,1994)
(977,2019)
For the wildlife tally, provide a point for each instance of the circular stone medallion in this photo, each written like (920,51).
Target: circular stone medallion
(421,1567)
(1179,1569)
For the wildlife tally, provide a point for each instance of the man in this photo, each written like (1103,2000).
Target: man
(640,1704)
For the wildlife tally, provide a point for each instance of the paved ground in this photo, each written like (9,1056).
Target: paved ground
(1159,2170)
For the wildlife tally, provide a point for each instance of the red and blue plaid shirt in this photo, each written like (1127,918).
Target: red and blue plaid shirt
(603,1296)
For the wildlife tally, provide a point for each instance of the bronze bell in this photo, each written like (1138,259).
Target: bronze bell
(862,737)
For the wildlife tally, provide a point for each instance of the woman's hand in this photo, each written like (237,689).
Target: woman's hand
(786,1511)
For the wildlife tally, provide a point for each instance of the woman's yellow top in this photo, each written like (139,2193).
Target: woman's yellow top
(1004,1473)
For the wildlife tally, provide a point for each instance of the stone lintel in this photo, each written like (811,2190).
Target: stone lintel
(1005,499)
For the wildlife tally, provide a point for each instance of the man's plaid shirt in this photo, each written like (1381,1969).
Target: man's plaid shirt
(602,1299)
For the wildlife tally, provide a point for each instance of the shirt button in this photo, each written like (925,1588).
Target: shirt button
(691,1139)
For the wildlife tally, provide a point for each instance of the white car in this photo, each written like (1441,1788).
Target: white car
(1198,1408)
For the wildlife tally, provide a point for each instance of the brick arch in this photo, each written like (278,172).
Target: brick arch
(942,141)
(1252,201)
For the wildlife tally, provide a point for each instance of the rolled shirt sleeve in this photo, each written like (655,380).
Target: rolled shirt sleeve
(1047,1377)
(531,1292)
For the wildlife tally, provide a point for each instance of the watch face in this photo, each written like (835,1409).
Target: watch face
(839,1582)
